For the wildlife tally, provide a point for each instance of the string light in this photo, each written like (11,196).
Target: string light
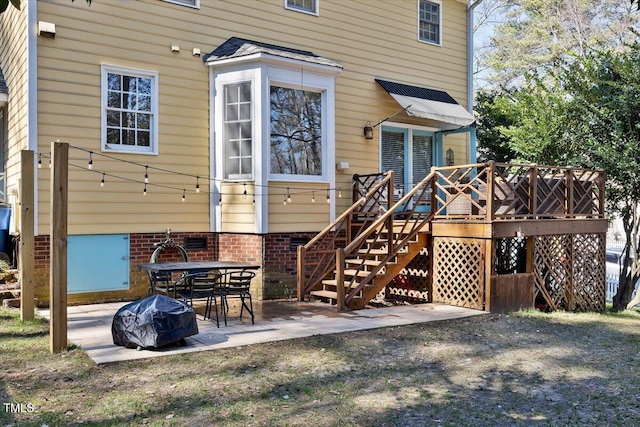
(184,194)
(39,160)
(284,201)
(197,184)
(254,198)
(146,175)
(328,199)
(313,197)
(144,192)
(102,182)
(288,196)
(244,194)
(340,193)
(90,165)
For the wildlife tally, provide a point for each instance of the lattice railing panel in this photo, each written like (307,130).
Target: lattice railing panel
(569,271)
(458,276)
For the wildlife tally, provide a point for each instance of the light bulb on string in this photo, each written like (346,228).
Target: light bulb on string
(197,184)
(340,193)
(328,198)
(313,197)
(284,200)
(144,192)
(254,198)
(146,174)
(244,194)
(39,160)
(288,196)
(90,165)
(184,194)
(102,182)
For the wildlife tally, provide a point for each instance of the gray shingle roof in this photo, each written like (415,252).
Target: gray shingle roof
(416,91)
(3,84)
(236,47)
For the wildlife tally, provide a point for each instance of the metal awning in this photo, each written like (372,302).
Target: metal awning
(430,104)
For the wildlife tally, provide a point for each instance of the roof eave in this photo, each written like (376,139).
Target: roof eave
(273,59)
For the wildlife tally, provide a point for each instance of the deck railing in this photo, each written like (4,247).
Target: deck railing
(316,259)
(499,191)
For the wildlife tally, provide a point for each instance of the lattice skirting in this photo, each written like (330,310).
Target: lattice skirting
(569,271)
(458,271)
(412,284)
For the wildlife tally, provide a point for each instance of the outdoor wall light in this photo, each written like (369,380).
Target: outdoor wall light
(450,157)
(368,131)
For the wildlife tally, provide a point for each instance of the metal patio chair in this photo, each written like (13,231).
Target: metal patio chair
(236,284)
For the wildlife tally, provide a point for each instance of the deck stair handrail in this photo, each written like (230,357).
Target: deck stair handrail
(383,240)
(316,259)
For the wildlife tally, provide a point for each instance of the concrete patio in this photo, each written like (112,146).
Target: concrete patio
(89,326)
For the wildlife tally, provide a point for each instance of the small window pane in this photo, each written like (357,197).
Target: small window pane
(304,5)
(245,112)
(144,138)
(232,113)
(113,82)
(113,99)
(113,118)
(144,103)
(113,136)
(143,121)
(233,149)
(128,137)
(245,147)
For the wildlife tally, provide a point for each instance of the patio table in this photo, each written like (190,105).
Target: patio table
(196,266)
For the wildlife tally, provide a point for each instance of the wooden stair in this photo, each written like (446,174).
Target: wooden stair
(359,267)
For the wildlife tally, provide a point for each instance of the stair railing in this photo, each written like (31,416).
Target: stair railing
(386,237)
(316,259)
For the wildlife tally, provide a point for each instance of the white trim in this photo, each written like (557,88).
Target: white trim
(32,90)
(316,12)
(4,98)
(269,58)
(153,149)
(439,3)
(182,3)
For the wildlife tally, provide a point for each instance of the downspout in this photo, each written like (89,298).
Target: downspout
(472,155)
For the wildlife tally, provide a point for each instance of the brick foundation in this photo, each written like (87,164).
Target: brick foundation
(272,252)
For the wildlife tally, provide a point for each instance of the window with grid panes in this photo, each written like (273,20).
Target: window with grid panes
(309,6)
(130,104)
(429,22)
(238,144)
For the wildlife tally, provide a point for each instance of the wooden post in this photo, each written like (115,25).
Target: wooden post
(569,185)
(340,265)
(301,275)
(58,249)
(26,258)
(489,262)
(601,190)
(490,190)
(533,191)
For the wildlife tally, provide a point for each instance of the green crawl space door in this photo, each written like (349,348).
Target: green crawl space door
(98,262)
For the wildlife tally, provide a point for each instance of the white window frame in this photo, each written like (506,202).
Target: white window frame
(153,144)
(196,4)
(431,42)
(312,83)
(241,176)
(315,12)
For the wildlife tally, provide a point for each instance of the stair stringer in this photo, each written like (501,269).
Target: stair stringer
(391,270)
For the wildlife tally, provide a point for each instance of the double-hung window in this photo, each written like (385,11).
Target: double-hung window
(307,6)
(129,110)
(238,131)
(429,22)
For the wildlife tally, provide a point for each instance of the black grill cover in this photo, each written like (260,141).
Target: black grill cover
(153,322)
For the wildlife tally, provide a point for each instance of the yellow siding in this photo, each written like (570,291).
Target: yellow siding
(237,209)
(14,64)
(301,214)
(369,38)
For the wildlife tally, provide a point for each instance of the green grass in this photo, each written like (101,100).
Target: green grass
(526,368)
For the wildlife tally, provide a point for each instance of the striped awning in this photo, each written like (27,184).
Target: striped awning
(430,104)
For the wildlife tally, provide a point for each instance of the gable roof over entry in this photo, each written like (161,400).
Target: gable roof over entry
(428,103)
